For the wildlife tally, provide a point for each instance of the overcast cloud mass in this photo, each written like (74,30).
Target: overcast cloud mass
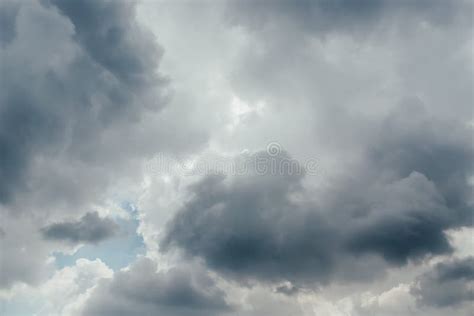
(236,157)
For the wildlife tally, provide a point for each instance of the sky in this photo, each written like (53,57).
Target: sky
(236,158)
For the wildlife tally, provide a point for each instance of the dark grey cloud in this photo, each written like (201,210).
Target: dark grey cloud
(447,284)
(181,291)
(395,205)
(442,156)
(88,229)
(248,227)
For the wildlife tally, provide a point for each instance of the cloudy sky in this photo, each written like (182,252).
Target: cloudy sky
(236,157)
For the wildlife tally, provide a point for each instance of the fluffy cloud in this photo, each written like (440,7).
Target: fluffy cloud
(248,226)
(67,290)
(64,293)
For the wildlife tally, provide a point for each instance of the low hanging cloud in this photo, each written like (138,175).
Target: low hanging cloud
(447,284)
(88,229)
(181,291)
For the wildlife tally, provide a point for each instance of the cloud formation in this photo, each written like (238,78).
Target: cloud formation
(407,191)
(88,229)
(378,93)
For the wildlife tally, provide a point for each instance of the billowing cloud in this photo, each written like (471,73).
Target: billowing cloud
(69,287)
(63,96)
(248,226)
(90,228)
(142,290)
(411,187)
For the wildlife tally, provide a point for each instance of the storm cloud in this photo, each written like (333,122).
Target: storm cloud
(407,191)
